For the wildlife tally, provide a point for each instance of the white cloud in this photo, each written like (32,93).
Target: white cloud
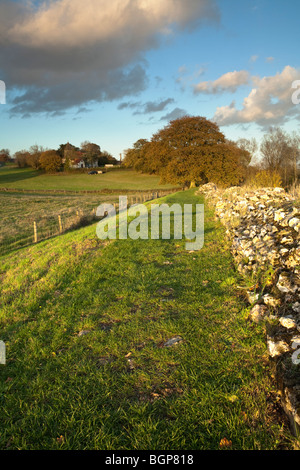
(268,103)
(70,23)
(229,82)
(64,53)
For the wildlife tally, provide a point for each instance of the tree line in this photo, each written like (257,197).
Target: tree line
(192,150)
(63,158)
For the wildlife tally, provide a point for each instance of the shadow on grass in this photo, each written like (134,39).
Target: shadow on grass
(11,175)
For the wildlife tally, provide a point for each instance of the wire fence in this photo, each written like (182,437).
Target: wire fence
(17,232)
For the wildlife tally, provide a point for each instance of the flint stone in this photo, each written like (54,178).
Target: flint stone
(258,313)
(288,322)
(270,300)
(277,348)
(284,285)
(172,341)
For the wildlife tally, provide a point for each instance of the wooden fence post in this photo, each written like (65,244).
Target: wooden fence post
(60,224)
(34,232)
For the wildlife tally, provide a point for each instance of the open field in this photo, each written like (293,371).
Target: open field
(50,203)
(19,212)
(85,323)
(29,179)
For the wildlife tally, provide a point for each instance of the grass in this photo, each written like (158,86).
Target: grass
(29,179)
(19,211)
(85,322)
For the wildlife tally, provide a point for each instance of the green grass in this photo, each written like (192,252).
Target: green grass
(116,387)
(29,179)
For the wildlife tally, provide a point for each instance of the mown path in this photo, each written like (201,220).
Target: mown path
(87,324)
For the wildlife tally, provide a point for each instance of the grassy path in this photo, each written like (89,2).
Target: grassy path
(85,325)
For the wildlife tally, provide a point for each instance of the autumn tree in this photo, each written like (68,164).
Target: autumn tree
(4,155)
(192,150)
(50,161)
(136,157)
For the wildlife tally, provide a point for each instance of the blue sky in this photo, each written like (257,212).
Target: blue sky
(118,71)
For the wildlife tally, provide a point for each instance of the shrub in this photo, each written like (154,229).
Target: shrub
(265,179)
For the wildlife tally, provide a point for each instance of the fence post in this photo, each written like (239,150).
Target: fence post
(60,224)
(34,232)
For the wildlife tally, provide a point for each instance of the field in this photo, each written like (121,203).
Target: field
(52,204)
(29,179)
(19,212)
(86,324)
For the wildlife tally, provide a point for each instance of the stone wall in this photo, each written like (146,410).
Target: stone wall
(264,228)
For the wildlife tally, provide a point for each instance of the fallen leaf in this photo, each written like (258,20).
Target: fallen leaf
(225,443)
(60,439)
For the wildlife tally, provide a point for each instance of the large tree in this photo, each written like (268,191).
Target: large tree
(190,150)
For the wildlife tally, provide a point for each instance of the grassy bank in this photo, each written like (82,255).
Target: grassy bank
(86,325)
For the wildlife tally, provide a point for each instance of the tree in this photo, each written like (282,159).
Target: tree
(33,158)
(21,158)
(274,149)
(280,153)
(250,147)
(50,161)
(91,152)
(192,150)
(106,158)
(294,144)
(136,157)
(4,155)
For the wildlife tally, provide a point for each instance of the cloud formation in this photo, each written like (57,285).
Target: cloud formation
(229,82)
(146,108)
(59,54)
(175,114)
(268,103)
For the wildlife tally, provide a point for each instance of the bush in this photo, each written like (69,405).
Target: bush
(50,161)
(265,179)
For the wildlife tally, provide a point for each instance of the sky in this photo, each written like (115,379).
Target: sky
(115,71)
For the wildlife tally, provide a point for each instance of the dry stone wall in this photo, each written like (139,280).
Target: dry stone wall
(264,228)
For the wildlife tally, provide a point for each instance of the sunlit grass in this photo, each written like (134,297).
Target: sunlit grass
(29,179)
(85,322)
